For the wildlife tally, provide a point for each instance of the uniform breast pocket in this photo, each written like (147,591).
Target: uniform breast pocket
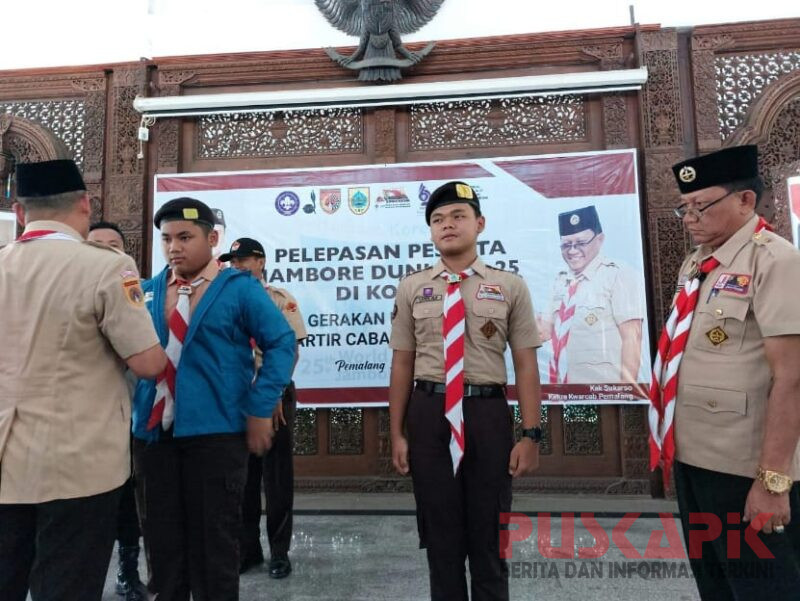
(719,325)
(428,320)
(491,319)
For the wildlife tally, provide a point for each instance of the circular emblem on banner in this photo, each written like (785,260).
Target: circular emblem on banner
(575,219)
(287,203)
(687,174)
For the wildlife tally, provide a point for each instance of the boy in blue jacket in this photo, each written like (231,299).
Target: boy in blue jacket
(194,425)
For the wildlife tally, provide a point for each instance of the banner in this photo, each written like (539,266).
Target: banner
(794,208)
(339,240)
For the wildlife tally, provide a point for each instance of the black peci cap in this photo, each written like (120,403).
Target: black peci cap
(48,178)
(243,247)
(716,169)
(184,209)
(578,220)
(451,193)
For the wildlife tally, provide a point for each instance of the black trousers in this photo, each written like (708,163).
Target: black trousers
(459,516)
(719,575)
(189,492)
(59,549)
(128,531)
(276,470)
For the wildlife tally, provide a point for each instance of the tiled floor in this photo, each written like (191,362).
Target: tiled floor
(345,550)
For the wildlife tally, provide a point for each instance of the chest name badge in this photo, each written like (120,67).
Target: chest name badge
(735,283)
(488,329)
(591,319)
(716,336)
(428,299)
(490,292)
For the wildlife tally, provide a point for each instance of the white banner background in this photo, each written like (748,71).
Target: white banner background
(326,257)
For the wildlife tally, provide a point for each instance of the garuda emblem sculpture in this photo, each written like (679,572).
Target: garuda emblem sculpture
(379,23)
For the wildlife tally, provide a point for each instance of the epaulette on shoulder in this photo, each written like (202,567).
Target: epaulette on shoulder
(103,246)
(504,271)
(772,242)
(410,273)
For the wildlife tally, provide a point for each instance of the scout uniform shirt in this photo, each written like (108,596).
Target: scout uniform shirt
(71,311)
(287,305)
(498,311)
(724,379)
(608,294)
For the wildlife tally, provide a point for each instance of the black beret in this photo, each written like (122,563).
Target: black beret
(716,169)
(578,220)
(48,178)
(184,209)
(450,193)
(243,247)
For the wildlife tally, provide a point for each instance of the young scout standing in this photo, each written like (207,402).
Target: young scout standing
(451,324)
(276,467)
(728,370)
(193,427)
(73,315)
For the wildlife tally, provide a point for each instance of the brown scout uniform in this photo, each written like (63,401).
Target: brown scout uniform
(724,379)
(71,312)
(609,294)
(287,305)
(458,516)
(498,309)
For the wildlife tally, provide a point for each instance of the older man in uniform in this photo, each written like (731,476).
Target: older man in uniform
(128,582)
(276,467)
(450,327)
(73,316)
(733,383)
(595,321)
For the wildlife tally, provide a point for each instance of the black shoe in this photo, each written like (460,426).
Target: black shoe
(251,560)
(128,584)
(280,567)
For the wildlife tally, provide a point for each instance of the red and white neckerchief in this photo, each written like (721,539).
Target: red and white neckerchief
(163,411)
(559,337)
(45,235)
(664,386)
(453,327)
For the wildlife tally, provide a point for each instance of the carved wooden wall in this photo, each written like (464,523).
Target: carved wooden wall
(707,88)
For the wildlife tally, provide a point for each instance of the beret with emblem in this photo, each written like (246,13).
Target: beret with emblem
(47,178)
(184,209)
(243,247)
(451,193)
(717,168)
(585,218)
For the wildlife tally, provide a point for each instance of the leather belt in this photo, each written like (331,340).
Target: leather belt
(486,390)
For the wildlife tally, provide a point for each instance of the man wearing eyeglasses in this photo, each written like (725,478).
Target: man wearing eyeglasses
(595,321)
(726,386)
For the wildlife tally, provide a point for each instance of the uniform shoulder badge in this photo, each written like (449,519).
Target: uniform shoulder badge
(132,289)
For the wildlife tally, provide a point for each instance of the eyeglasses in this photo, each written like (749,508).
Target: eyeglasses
(684,209)
(567,246)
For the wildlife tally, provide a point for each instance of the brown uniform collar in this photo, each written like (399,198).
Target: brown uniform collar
(209,272)
(57,226)
(726,253)
(477,265)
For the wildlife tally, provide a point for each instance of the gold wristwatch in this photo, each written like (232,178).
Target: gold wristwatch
(774,482)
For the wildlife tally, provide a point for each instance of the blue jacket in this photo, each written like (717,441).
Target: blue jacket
(214,389)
